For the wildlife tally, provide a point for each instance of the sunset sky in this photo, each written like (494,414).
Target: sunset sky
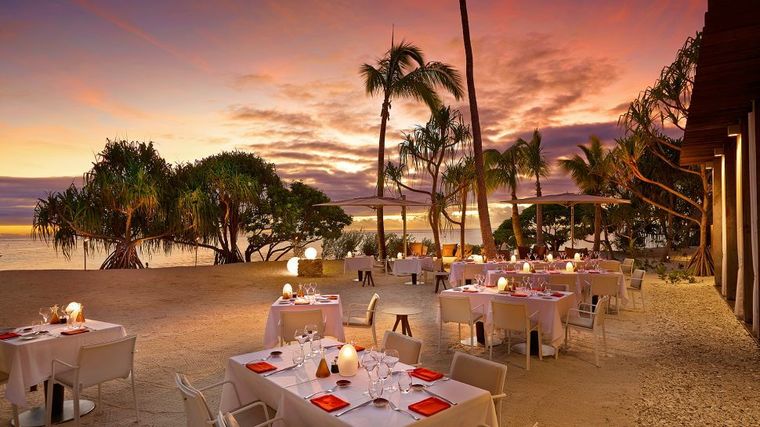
(280,78)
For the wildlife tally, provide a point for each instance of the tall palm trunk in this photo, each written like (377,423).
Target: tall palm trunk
(462,241)
(489,246)
(381,177)
(516,228)
(597,226)
(539,216)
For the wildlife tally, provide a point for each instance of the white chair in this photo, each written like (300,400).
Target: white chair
(96,364)
(228,420)
(606,285)
(589,320)
(637,287)
(197,411)
(514,317)
(557,287)
(437,267)
(409,349)
(610,265)
(568,280)
(627,267)
(480,373)
(298,319)
(456,309)
(14,408)
(363,315)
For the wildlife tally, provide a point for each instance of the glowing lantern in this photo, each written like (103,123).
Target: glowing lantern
(526,267)
(577,256)
(310,253)
(293,266)
(399,255)
(550,257)
(348,361)
(569,267)
(287,291)
(513,258)
(501,284)
(350,254)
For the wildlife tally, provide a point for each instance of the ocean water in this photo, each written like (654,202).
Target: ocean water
(25,253)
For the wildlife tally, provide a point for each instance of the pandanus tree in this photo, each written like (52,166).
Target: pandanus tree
(424,151)
(461,175)
(127,203)
(591,173)
(503,170)
(403,73)
(534,164)
(218,195)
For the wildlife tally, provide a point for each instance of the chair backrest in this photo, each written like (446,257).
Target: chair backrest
(627,265)
(371,307)
(106,361)
(523,252)
(600,311)
(557,287)
(298,319)
(226,420)
(637,278)
(455,308)
(562,279)
(477,372)
(609,264)
(603,284)
(409,349)
(509,315)
(197,411)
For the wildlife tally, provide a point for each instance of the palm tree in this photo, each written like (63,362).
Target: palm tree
(503,170)
(127,202)
(460,175)
(591,174)
(534,164)
(489,246)
(403,73)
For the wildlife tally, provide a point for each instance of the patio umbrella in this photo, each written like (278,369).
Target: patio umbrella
(569,199)
(375,201)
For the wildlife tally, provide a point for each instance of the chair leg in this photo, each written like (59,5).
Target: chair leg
(48,408)
(76,404)
(490,352)
(14,408)
(596,351)
(604,339)
(527,352)
(100,401)
(134,396)
(540,345)
(472,338)
(374,333)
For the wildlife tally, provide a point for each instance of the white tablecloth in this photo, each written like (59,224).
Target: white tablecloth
(550,310)
(580,279)
(461,271)
(332,312)
(474,405)
(411,265)
(28,363)
(359,263)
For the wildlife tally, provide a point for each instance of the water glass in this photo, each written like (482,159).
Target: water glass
(375,388)
(315,345)
(45,313)
(297,356)
(404,382)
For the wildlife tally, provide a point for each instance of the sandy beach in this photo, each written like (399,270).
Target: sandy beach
(685,361)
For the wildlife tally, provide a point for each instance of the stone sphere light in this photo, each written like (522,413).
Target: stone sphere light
(292,266)
(310,253)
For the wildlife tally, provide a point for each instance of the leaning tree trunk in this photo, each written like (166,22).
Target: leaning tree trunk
(381,177)
(701,263)
(434,219)
(124,256)
(516,226)
(489,246)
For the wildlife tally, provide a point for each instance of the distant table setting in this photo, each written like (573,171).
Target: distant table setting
(358,264)
(462,271)
(330,305)
(27,353)
(381,391)
(411,266)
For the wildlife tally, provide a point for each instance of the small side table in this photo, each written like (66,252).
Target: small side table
(402,316)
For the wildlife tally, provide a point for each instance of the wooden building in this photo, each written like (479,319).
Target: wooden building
(721,132)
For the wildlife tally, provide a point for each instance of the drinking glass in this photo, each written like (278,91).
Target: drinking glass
(369,362)
(298,356)
(301,337)
(390,359)
(404,382)
(315,344)
(45,313)
(310,330)
(375,388)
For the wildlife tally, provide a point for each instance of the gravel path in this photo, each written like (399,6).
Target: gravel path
(686,361)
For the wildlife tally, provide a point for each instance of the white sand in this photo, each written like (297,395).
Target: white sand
(686,361)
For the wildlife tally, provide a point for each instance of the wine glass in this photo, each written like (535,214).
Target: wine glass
(375,388)
(404,381)
(45,313)
(309,330)
(369,361)
(390,359)
(298,356)
(301,337)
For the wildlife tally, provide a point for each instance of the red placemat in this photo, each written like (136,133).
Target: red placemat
(358,348)
(472,291)
(558,294)
(430,406)
(8,335)
(426,374)
(329,403)
(74,331)
(520,295)
(260,367)
(332,297)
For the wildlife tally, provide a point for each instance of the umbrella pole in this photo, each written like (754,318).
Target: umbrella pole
(572,226)
(403,226)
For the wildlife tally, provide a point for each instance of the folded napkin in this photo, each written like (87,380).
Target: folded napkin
(593,272)
(8,335)
(74,331)
(426,374)
(356,346)
(329,402)
(260,367)
(558,294)
(470,290)
(332,297)
(431,405)
(520,295)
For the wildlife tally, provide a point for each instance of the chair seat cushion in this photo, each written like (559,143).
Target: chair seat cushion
(355,321)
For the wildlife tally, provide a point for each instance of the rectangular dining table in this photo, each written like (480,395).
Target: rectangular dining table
(332,312)
(358,264)
(284,391)
(581,278)
(29,362)
(412,266)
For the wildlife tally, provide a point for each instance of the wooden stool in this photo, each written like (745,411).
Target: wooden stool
(440,279)
(368,280)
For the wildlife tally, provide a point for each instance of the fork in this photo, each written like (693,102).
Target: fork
(328,391)
(397,409)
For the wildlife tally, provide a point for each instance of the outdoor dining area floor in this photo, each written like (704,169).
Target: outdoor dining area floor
(685,361)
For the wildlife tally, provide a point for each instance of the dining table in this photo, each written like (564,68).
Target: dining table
(330,305)
(28,358)
(413,266)
(461,272)
(286,389)
(359,264)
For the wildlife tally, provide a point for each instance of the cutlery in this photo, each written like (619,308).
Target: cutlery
(279,370)
(438,396)
(397,409)
(439,379)
(328,391)
(355,407)
(302,382)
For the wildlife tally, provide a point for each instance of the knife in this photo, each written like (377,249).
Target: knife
(438,396)
(355,407)
(278,371)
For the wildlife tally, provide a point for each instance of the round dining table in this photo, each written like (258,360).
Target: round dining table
(402,316)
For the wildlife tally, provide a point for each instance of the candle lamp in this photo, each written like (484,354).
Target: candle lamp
(399,255)
(550,257)
(350,254)
(513,258)
(287,291)
(348,361)
(526,267)
(569,267)
(501,284)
